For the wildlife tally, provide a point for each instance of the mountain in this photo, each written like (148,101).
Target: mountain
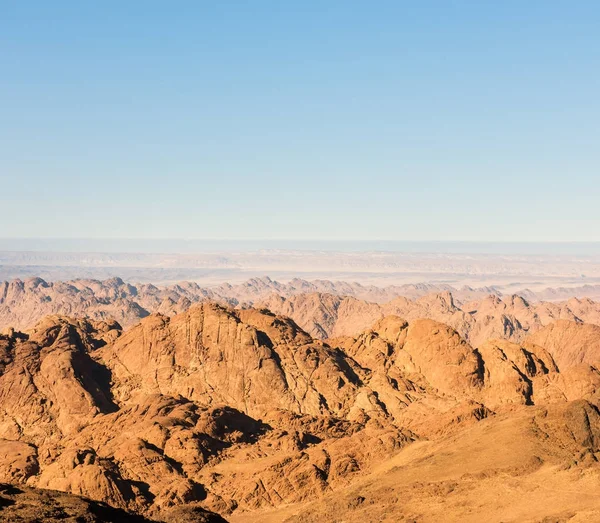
(570,342)
(323,308)
(568,273)
(23,303)
(29,504)
(511,317)
(240,412)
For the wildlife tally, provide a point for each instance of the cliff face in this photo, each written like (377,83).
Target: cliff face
(243,413)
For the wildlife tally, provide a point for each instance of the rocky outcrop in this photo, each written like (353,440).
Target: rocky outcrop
(250,360)
(19,503)
(50,386)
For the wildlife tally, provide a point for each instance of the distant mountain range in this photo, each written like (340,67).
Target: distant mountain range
(321,307)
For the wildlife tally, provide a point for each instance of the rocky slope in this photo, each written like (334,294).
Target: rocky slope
(571,342)
(242,413)
(26,504)
(536,465)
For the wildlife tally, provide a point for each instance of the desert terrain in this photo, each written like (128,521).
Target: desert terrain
(305,400)
(299,262)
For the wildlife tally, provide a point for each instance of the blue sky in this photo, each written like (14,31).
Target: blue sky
(417,120)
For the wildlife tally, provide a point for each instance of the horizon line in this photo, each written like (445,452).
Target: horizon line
(328,240)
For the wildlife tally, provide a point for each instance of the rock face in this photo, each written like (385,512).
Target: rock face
(249,360)
(243,413)
(571,343)
(49,384)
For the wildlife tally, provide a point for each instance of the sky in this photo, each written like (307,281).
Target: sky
(378,120)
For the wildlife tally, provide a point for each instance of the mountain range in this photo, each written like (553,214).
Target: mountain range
(322,308)
(239,413)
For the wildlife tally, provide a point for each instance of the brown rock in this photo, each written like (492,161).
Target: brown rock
(569,343)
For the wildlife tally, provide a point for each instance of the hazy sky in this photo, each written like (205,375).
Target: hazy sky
(427,120)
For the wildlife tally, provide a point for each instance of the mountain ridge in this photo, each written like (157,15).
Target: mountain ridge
(314,305)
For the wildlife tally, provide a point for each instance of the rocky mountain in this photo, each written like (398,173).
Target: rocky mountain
(510,318)
(571,342)
(30,504)
(241,412)
(24,303)
(322,308)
